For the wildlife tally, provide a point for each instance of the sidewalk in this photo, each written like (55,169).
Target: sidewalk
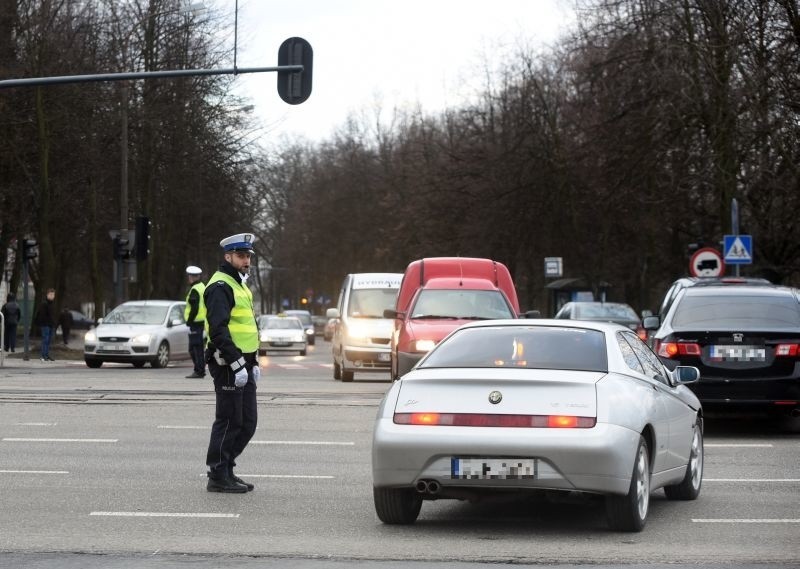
(58,351)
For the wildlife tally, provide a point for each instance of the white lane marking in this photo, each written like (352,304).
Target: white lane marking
(164,514)
(751,479)
(738,445)
(291,366)
(748,521)
(34,472)
(206,427)
(19,440)
(329,366)
(286,476)
(330,443)
(37,424)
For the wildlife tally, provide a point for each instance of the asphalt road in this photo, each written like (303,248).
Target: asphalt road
(106,468)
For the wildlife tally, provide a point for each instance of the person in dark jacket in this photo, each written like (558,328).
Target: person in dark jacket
(195,316)
(232,357)
(11,317)
(46,320)
(65,320)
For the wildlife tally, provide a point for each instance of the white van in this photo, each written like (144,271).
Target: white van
(362,336)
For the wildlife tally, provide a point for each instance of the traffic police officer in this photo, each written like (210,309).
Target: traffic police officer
(195,316)
(231,355)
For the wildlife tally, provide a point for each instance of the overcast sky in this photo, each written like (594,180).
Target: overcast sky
(387,53)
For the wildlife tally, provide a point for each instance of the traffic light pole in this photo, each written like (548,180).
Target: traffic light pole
(26,320)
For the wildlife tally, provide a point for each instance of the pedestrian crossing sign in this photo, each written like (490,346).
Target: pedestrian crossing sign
(738,249)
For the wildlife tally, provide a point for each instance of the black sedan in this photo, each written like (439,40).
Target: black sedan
(745,340)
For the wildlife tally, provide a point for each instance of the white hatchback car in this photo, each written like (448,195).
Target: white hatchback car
(138,332)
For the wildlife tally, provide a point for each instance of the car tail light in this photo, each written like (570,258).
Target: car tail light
(491,420)
(672,349)
(786,350)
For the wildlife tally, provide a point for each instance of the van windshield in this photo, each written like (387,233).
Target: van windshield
(462,304)
(371,302)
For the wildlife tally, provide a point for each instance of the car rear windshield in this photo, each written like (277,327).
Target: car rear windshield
(464,304)
(737,311)
(604,310)
(528,347)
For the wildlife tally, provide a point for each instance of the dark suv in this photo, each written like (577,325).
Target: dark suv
(745,340)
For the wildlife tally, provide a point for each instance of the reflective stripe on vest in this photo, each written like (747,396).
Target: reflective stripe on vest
(242,325)
(201,307)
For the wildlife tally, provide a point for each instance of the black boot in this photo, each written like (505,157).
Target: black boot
(224,484)
(238,480)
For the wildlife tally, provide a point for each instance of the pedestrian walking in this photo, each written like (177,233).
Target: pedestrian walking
(232,357)
(46,320)
(195,316)
(11,317)
(65,320)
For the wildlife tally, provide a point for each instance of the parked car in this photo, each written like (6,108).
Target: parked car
(616,312)
(523,406)
(81,322)
(281,333)
(440,294)
(745,340)
(308,323)
(138,332)
(361,340)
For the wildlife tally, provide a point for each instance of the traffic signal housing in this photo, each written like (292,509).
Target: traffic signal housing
(294,87)
(121,248)
(30,249)
(142,237)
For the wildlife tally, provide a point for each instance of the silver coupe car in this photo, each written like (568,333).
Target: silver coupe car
(519,406)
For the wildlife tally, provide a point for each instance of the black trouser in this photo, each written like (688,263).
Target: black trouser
(236,418)
(196,348)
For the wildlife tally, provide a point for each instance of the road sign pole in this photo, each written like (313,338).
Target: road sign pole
(735,225)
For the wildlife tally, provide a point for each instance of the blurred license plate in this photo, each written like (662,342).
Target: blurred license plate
(384,357)
(112,347)
(738,353)
(280,343)
(493,468)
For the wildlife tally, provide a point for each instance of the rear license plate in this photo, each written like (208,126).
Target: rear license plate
(493,468)
(738,353)
(384,357)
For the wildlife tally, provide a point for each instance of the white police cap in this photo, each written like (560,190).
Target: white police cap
(193,270)
(238,242)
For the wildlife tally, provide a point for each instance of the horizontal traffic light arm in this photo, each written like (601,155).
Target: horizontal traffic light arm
(38,81)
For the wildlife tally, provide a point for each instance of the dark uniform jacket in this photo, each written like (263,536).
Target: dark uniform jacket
(11,312)
(219,301)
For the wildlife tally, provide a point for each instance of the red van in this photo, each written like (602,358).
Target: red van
(439,294)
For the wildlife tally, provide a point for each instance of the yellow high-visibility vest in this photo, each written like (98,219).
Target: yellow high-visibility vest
(242,325)
(201,307)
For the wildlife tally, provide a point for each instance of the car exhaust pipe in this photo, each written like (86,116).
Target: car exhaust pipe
(428,487)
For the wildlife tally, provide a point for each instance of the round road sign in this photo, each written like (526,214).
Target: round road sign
(707,262)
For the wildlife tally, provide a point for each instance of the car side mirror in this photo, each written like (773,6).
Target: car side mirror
(651,323)
(332,313)
(686,374)
(531,314)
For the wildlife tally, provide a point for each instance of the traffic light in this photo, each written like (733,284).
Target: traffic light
(294,87)
(142,237)
(120,248)
(30,249)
